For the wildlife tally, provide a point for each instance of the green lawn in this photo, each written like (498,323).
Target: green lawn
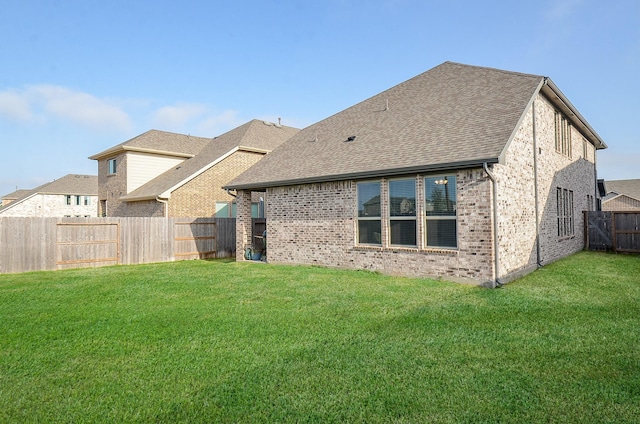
(219,341)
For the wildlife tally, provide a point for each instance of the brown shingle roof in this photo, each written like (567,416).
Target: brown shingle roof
(159,141)
(451,116)
(254,135)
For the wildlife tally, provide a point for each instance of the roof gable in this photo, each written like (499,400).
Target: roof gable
(452,115)
(254,135)
(629,188)
(159,142)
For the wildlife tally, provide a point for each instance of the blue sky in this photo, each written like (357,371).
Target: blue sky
(77,77)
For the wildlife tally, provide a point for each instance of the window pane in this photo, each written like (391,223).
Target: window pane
(402,197)
(255,211)
(442,233)
(368,199)
(440,196)
(222,210)
(369,232)
(403,232)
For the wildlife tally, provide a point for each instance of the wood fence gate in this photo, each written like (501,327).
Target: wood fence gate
(612,230)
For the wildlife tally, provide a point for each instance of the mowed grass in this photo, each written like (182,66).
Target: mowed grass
(219,341)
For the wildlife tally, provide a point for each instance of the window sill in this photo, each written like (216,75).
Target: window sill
(406,249)
(563,238)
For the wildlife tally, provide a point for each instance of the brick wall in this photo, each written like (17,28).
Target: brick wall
(198,197)
(516,192)
(316,224)
(621,203)
(112,187)
(52,205)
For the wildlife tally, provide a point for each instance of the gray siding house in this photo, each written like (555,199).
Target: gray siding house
(463,172)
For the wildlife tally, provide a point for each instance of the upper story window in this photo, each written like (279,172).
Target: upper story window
(562,135)
(87,200)
(67,200)
(111,163)
(441,211)
(402,212)
(369,218)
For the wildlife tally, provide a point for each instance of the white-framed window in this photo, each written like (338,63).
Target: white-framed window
(67,200)
(562,134)
(369,213)
(78,200)
(112,165)
(564,204)
(402,212)
(87,200)
(440,211)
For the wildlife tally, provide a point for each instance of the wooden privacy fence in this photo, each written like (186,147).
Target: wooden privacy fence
(612,230)
(35,244)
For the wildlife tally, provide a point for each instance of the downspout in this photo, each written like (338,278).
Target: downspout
(535,184)
(166,206)
(228,190)
(496,245)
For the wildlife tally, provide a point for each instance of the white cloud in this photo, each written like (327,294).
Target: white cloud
(44,102)
(177,116)
(15,106)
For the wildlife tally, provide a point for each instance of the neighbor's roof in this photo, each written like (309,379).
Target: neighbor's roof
(629,188)
(255,135)
(71,184)
(452,116)
(159,142)
(15,195)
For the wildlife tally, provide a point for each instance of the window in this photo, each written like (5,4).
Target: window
(112,166)
(585,149)
(87,200)
(563,135)
(402,212)
(225,210)
(369,218)
(67,200)
(78,203)
(441,211)
(564,200)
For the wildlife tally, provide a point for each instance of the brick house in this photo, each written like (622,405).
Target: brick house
(465,172)
(70,196)
(622,195)
(167,174)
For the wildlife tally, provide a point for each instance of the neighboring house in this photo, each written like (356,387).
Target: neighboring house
(167,174)
(463,172)
(8,198)
(70,196)
(622,195)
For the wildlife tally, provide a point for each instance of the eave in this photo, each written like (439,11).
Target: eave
(422,169)
(120,149)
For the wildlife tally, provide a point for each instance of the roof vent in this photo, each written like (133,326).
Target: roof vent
(350,138)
